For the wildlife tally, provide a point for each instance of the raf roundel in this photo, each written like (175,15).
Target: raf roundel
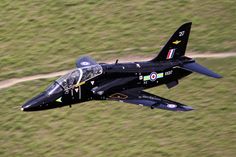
(171,105)
(153,76)
(85,63)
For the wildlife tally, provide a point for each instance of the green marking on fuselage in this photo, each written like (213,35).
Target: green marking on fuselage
(146,78)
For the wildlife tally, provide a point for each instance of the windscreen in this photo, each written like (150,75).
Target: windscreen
(54,89)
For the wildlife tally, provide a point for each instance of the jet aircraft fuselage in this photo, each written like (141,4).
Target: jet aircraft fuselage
(124,82)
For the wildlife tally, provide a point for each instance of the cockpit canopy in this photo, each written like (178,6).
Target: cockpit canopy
(79,75)
(86,70)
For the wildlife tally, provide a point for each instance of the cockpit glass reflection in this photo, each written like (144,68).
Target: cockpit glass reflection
(54,88)
(78,75)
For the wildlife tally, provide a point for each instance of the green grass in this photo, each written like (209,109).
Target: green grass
(106,128)
(45,36)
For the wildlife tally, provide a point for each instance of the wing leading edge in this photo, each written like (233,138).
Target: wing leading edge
(139,97)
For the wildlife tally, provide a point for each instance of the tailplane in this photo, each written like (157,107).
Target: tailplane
(195,67)
(176,45)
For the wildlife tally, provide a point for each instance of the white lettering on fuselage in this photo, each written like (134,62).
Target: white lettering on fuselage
(168,72)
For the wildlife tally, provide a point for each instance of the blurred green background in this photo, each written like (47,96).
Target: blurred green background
(46,36)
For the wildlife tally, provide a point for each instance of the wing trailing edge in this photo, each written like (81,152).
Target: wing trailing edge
(142,98)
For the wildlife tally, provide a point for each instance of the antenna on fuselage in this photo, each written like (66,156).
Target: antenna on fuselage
(116,61)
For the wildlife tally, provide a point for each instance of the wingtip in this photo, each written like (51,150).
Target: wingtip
(219,77)
(187,108)
(215,75)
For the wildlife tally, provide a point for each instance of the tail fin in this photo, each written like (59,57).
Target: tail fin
(176,45)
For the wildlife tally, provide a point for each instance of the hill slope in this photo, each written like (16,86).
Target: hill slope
(105,128)
(39,37)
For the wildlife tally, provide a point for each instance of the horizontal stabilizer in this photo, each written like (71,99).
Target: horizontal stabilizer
(194,67)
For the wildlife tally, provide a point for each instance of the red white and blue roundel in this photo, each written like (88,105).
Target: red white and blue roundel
(153,76)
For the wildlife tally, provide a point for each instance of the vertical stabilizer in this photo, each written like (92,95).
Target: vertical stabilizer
(176,45)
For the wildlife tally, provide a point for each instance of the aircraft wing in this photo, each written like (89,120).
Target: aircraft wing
(85,61)
(111,84)
(139,97)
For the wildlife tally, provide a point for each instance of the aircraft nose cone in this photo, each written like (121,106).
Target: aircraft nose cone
(45,100)
(35,103)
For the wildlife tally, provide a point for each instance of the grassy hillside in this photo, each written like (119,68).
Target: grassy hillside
(102,128)
(44,36)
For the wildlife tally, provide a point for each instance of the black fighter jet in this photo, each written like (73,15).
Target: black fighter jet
(124,82)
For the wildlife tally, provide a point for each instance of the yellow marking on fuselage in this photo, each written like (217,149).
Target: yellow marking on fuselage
(81,83)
